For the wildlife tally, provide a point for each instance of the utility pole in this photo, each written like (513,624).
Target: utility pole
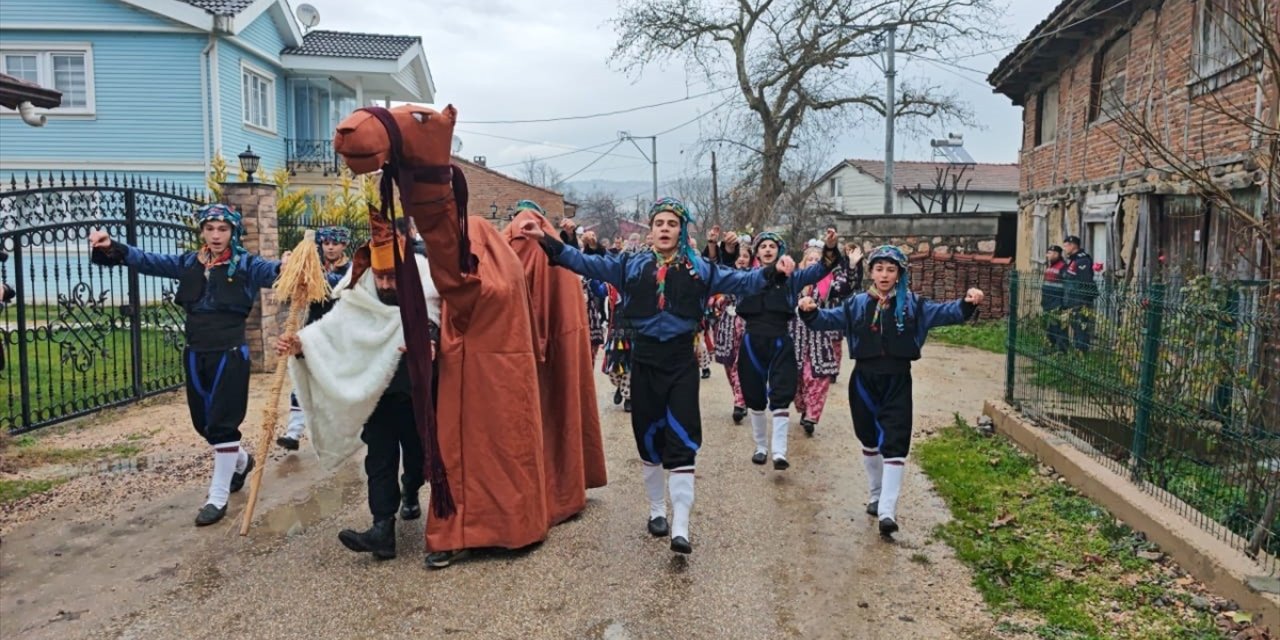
(715,190)
(652,156)
(889,108)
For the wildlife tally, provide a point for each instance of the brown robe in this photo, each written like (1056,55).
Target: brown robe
(572,446)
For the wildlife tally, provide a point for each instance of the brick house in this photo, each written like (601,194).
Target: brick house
(493,194)
(1128,135)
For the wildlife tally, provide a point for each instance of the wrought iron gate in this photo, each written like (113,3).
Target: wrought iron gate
(77,337)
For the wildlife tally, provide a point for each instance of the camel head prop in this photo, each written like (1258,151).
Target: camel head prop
(426,138)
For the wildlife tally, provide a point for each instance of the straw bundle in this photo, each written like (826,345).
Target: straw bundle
(302,281)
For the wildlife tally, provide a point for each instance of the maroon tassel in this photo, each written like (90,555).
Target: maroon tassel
(417,342)
(468,262)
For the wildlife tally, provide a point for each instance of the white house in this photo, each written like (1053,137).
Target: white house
(856,187)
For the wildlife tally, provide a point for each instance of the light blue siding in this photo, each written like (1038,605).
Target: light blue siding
(103,12)
(264,34)
(147,95)
(164,181)
(236,135)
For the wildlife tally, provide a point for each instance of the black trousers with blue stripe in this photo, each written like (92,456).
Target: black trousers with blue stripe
(767,371)
(881,407)
(218,392)
(665,416)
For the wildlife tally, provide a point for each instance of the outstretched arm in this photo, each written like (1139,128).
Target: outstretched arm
(606,268)
(940,314)
(834,319)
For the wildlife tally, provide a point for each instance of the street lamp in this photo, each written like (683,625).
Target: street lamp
(493,210)
(249,162)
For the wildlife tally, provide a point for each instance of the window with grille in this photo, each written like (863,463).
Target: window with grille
(259,96)
(68,70)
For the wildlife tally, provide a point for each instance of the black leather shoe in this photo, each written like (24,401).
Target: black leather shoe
(210,514)
(626,405)
(237,480)
(658,527)
(442,559)
(888,527)
(781,464)
(617,396)
(759,457)
(738,414)
(287,443)
(380,539)
(681,545)
(410,508)
(873,508)
(706,373)
(808,426)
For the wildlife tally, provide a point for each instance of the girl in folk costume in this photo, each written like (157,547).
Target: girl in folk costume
(617,349)
(333,242)
(886,328)
(818,352)
(767,359)
(664,292)
(217,287)
(597,296)
(726,338)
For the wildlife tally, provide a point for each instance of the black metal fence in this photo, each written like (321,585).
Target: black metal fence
(1175,385)
(78,337)
(311,155)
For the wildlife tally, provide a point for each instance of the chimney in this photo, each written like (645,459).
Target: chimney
(480,160)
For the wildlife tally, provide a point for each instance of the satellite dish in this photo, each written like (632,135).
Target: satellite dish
(457,145)
(308,15)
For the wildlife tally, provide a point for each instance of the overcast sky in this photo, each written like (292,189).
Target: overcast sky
(524,59)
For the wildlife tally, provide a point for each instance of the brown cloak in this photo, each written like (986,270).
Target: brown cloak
(572,445)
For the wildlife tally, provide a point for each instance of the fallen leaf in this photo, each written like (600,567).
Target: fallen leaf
(1089,558)
(1003,520)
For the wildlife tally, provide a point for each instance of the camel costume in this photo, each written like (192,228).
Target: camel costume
(484,451)
(562,344)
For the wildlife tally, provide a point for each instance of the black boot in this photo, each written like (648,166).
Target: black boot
(738,414)
(706,373)
(237,480)
(888,527)
(658,527)
(626,405)
(808,426)
(680,544)
(380,539)
(410,508)
(288,443)
(873,508)
(617,396)
(210,514)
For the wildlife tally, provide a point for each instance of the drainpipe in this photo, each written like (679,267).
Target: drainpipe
(204,105)
(216,99)
(29,115)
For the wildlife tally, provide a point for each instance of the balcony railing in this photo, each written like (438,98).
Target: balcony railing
(311,155)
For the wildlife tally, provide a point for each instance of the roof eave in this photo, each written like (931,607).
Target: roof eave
(299,62)
(177,11)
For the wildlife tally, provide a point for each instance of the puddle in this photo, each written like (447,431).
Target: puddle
(324,500)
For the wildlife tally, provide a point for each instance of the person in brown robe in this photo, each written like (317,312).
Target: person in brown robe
(488,439)
(571,440)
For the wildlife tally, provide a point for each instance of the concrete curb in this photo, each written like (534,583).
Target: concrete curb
(1226,570)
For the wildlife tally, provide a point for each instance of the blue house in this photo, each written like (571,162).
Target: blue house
(158,87)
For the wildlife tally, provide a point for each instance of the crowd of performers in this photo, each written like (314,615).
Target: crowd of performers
(520,384)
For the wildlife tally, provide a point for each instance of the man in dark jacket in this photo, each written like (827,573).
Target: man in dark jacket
(1052,298)
(1079,292)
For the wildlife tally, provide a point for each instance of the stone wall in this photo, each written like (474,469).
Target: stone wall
(921,233)
(946,276)
(256,203)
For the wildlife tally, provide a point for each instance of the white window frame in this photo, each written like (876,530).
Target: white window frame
(833,188)
(271,79)
(44,52)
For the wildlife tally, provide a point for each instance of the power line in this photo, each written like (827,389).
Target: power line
(944,68)
(602,114)
(572,150)
(1047,35)
(696,118)
(589,164)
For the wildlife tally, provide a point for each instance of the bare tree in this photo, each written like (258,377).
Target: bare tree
(538,172)
(602,208)
(794,61)
(946,194)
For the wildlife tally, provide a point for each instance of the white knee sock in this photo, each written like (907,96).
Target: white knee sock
(873,462)
(893,469)
(781,424)
(758,430)
(655,486)
(225,457)
(297,424)
(681,485)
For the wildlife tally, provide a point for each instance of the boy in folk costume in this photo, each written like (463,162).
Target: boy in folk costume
(726,338)
(767,359)
(217,286)
(818,352)
(333,243)
(886,328)
(664,293)
(349,371)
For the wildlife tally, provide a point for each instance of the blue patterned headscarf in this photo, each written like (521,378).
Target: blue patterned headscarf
(531,206)
(895,255)
(222,213)
(674,205)
(769,235)
(338,234)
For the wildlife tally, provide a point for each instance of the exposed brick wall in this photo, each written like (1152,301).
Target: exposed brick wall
(488,187)
(1158,70)
(945,276)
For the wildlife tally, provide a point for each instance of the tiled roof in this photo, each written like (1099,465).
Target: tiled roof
(342,44)
(908,174)
(221,7)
